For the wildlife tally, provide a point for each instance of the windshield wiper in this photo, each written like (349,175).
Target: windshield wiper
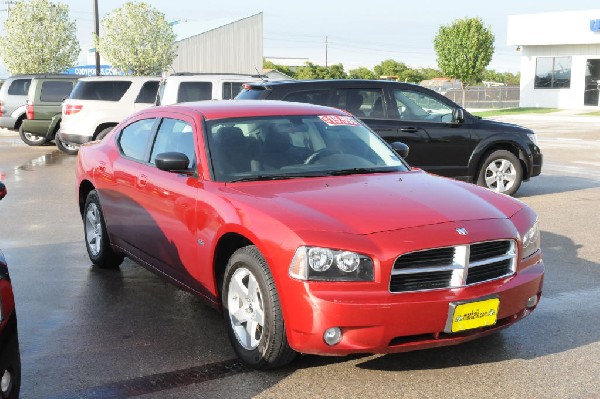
(278,177)
(356,171)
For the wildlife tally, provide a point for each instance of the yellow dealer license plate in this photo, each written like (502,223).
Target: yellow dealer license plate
(470,315)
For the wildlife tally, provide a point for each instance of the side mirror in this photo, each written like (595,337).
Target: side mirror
(458,116)
(3,191)
(172,162)
(400,148)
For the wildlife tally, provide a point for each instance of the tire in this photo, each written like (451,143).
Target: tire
(70,149)
(502,172)
(30,139)
(104,132)
(96,237)
(253,313)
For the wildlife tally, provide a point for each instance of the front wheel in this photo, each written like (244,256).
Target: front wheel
(502,172)
(96,237)
(31,139)
(252,311)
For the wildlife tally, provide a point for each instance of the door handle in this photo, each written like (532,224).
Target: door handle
(409,129)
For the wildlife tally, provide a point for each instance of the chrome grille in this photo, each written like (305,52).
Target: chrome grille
(452,267)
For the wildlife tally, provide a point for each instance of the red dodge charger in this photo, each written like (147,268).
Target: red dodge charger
(308,230)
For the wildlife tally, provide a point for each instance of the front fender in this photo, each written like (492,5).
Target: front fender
(511,142)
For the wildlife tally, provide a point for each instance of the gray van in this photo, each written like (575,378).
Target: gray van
(13,97)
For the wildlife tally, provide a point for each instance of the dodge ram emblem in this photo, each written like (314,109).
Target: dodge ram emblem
(462,231)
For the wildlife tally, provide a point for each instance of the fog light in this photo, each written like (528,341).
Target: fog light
(332,336)
(531,302)
(6,383)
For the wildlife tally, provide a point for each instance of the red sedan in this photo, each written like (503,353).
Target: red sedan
(307,230)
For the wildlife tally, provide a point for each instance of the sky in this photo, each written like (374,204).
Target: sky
(359,33)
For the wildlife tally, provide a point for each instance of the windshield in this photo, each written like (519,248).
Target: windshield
(280,147)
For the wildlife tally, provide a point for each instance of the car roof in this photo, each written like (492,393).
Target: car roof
(120,77)
(222,109)
(328,82)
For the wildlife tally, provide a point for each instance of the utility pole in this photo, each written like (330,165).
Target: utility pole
(97,29)
(325,51)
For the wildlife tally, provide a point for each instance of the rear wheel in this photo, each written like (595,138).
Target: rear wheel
(67,148)
(253,313)
(96,237)
(31,139)
(502,172)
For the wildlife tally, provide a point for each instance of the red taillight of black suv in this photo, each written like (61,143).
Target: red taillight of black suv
(71,109)
(29,110)
(1,109)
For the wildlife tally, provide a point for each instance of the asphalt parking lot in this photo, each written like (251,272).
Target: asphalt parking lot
(90,333)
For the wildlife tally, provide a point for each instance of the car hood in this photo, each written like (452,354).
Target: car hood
(503,126)
(366,204)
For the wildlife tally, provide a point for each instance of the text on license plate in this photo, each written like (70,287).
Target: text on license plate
(467,316)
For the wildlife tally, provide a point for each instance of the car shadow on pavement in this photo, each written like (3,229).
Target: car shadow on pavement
(554,184)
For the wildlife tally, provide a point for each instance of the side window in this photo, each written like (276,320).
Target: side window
(55,91)
(19,87)
(231,89)
(175,136)
(194,91)
(135,138)
(318,97)
(416,106)
(360,102)
(148,93)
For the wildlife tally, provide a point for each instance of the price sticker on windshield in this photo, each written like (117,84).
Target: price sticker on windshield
(339,120)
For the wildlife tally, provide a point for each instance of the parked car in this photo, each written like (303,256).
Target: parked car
(97,104)
(443,138)
(307,229)
(13,97)
(187,87)
(10,358)
(44,110)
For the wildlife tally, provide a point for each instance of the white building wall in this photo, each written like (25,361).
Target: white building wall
(557,34)
(556,98)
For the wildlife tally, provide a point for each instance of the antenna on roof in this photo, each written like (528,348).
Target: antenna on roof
(260,75)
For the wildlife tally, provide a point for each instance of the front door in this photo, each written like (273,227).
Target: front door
(592,82)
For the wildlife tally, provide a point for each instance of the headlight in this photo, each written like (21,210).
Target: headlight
(326,264)
(532,137)
(531,241)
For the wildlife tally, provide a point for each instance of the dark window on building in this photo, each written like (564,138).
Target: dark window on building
(19,87)
(54,91)
(134,139)
(194,91)
(553,73)
(105,90)
(231,89)
(148,93)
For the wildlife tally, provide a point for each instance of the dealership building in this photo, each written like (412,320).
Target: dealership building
(560,58)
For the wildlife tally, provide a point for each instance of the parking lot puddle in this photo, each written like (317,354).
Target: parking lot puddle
(160,382)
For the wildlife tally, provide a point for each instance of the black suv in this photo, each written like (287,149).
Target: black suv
(443,137)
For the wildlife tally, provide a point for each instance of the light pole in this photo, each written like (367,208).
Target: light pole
(97,29)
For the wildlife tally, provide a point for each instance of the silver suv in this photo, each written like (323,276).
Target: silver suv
(13,98)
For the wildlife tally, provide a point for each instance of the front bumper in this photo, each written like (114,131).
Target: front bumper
(74,138)
(385,323)
(536,164)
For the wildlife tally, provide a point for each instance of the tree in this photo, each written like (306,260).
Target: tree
(390,68)
(137,39)
(361,73)
(281,68)
(464,49)
(313,71)
(40,38)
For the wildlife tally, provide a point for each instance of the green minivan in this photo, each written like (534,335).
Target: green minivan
(44,109)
